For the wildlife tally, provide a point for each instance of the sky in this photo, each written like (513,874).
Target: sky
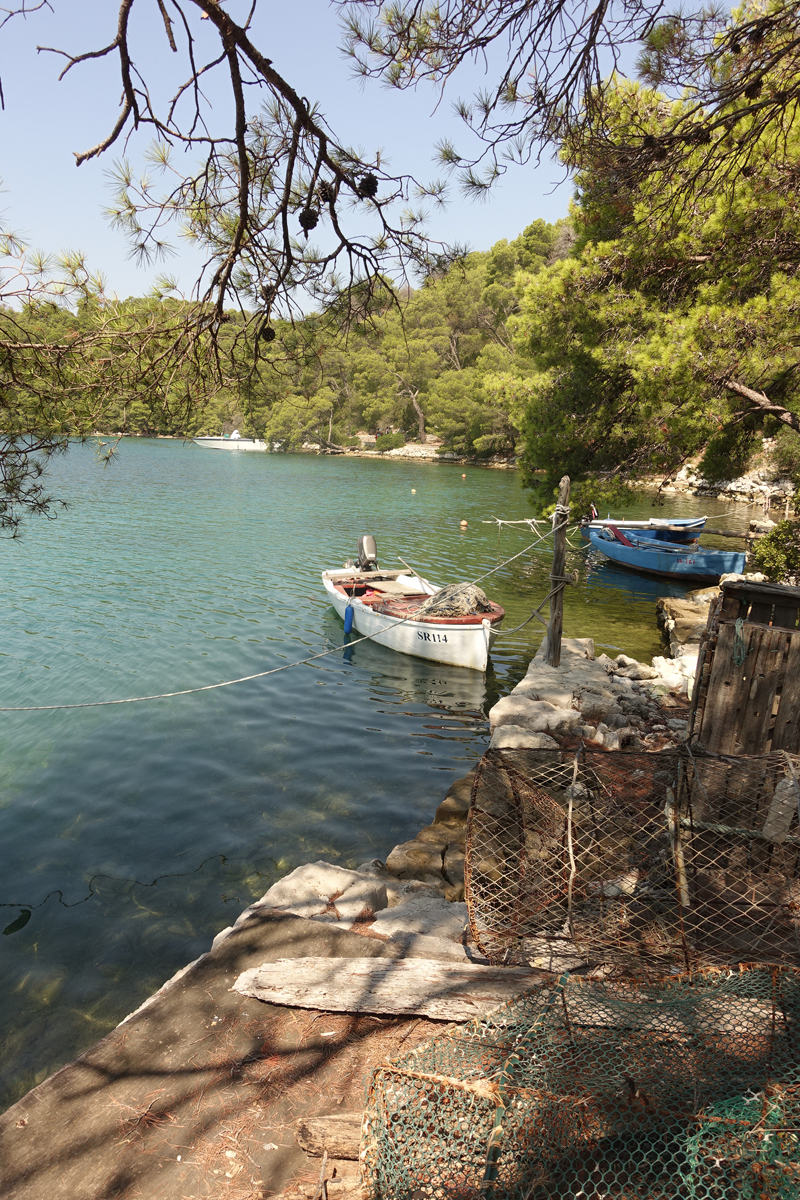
(54,205)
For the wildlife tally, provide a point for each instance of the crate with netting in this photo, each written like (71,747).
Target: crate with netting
(642,864)
(688,1087)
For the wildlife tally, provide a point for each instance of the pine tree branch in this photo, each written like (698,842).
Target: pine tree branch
(785,415)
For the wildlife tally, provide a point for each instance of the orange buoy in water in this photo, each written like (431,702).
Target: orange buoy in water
(463,477)
(463,524)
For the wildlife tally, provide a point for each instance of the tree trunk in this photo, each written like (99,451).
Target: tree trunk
(420,418)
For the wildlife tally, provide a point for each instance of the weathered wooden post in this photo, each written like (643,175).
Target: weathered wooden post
(553,657)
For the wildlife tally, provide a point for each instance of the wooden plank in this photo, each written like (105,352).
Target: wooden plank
(786,733)
(732,606)
(785,616)
(761,612)
(444,991)
(779,591)
(764,674)
(338,1135)
(717,732)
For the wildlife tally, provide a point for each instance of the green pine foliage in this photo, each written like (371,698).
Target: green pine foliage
(440,363)
(675,298)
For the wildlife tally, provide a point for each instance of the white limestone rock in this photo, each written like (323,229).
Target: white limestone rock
(535,690)
(537,716)
(668,672)
(572,649)
(399,891)
(637,671)
(515,737)
(311,890)
(414,858)
(597,708)
(435,918)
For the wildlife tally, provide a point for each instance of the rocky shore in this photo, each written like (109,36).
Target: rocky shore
(764,484)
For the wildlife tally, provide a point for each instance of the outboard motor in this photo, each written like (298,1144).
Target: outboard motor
(367,553)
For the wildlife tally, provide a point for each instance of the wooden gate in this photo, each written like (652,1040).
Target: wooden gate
(747,698)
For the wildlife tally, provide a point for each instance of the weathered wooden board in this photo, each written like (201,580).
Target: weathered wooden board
(716,731)
(764,672)
(786,734)
(338,1135)
(738,713)
(785,616)
(444,991)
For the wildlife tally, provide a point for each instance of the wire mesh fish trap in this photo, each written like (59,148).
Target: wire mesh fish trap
(618,1089)
(646,863)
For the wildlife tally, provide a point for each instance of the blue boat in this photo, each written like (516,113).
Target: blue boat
(669,559)
(662,529)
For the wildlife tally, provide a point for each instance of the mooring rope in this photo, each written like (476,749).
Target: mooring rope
(525,551)
(209,687)
(302,662)
(740,651)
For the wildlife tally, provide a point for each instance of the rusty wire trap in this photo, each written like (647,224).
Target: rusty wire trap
(618,1088)
(639,863)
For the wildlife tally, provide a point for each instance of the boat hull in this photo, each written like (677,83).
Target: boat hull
(702,566)
(238,444)
(459,645)
(678,529)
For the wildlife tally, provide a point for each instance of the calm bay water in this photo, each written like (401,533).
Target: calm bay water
(132,834)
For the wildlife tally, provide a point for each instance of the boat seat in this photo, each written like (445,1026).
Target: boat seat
(393,587)
(620,536)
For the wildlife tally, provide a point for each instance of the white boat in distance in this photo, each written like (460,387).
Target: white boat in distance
(230,443)
(383,604)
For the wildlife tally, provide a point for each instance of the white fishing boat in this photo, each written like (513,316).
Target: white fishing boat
(391,607)
(232,442)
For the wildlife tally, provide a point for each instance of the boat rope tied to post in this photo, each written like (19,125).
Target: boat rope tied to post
(209,687)
(561,510)
(560,581)
(514,557)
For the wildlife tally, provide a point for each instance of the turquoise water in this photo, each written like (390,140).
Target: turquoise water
(131,834)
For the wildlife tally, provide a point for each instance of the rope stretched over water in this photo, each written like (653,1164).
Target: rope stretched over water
(210,687)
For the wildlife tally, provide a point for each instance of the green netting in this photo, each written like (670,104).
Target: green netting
(600,1089)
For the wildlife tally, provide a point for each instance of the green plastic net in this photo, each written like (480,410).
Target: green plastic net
(600,1089)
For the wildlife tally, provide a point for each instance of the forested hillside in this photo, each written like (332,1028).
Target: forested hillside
(439,363)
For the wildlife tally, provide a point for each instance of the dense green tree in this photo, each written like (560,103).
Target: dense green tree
(672,328)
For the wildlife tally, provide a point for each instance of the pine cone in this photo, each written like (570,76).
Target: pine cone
(308,219)
(368,186)
(327,192)
(266,333)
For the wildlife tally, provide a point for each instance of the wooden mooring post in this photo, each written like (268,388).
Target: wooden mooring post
(553,657)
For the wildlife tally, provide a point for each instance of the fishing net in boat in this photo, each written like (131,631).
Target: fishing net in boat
(687,1088)
(455,600)
(640,863)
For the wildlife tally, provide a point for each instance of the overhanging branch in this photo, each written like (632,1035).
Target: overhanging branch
(762,402)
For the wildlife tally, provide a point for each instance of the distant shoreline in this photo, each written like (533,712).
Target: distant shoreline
(412,452)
